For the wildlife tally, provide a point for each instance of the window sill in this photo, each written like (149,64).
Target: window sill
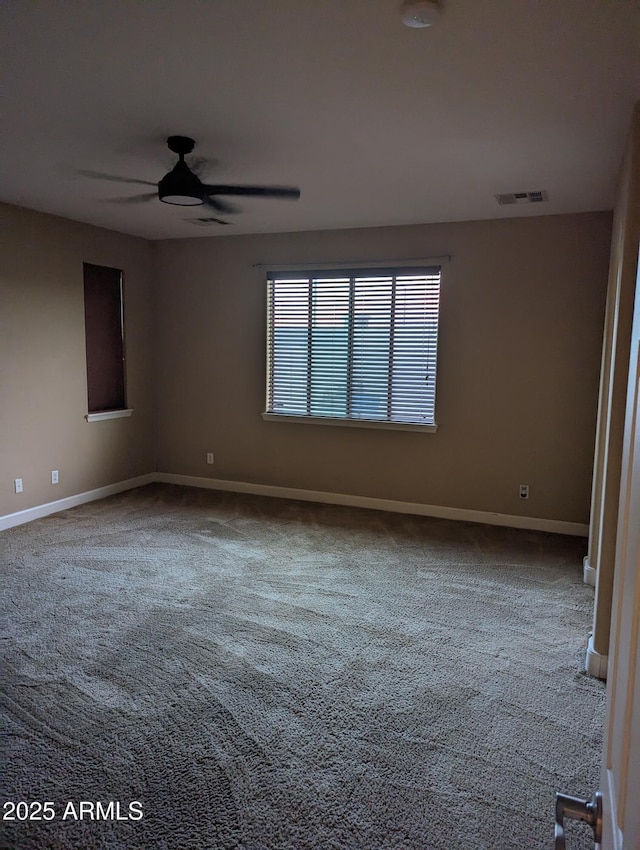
(349,423)
(108,414)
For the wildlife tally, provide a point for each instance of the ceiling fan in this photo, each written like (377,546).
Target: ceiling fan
(182,187)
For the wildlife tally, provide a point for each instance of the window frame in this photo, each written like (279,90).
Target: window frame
(102,343)
(396,268)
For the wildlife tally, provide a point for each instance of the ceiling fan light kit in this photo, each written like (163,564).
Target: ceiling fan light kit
(420,13)
(179,187)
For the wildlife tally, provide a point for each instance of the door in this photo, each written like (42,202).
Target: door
(620,782)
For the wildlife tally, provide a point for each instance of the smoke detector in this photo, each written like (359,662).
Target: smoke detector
(420,13)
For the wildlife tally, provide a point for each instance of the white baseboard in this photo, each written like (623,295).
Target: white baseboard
(461,514)
(595,663)
(589,573)
(20,517)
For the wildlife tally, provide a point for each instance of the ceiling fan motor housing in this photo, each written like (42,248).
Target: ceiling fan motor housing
(181,186)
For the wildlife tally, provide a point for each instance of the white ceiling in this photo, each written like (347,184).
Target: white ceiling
(378,124)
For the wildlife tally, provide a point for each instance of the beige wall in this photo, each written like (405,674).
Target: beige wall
(521,330)
(43,391)
(522,316)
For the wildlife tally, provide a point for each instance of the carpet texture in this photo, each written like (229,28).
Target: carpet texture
(275,674)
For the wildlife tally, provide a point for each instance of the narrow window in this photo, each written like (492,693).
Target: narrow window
(103,315)
(354,344)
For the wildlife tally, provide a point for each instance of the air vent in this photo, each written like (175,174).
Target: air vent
(522,197)
(207,222)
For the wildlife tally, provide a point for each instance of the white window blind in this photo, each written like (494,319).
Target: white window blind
(354,344)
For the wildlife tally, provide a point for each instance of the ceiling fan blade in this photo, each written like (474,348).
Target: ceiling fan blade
(199,165)
(98,175)
(288,192)
(135,199)
(220,206)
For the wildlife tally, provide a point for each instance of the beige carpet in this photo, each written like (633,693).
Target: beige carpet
(271,674)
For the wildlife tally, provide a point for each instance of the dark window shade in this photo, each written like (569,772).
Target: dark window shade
(103,317)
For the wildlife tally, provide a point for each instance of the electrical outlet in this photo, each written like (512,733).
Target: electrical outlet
(18,485)
(524,491)
(209,457)
(54,476)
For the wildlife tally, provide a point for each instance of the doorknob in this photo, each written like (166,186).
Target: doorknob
(574,808)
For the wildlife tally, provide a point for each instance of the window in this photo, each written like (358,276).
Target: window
(103,313)
(354,346)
